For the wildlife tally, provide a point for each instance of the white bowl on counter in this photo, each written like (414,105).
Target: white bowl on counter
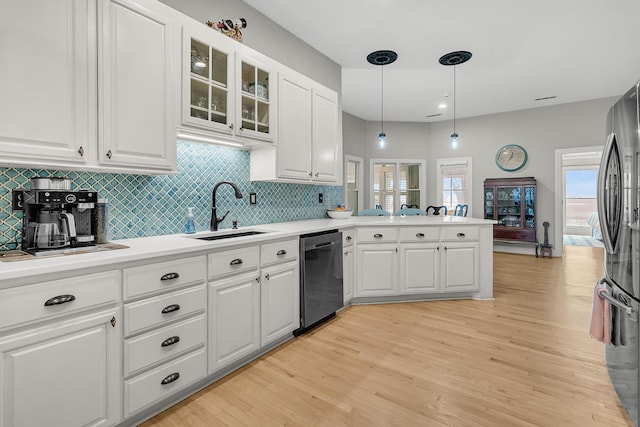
(340,214)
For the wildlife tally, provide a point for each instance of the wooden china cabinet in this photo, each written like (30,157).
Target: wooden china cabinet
(511,202)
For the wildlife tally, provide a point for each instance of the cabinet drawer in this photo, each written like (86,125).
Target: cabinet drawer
(161,309)
(348,237)
(163,343)
(147,388)
(50,299)
(152,278)
(419,234)
(279,251)
(221,263)
(460,233)
(377,234)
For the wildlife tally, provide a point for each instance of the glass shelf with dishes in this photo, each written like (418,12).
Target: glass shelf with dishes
(255,102)
(208,84)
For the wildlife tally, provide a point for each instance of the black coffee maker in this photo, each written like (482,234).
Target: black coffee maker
(55,220)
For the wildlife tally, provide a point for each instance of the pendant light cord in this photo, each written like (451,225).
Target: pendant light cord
(454,99)
(382,98)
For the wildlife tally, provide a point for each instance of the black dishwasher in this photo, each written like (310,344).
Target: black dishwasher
(320,278)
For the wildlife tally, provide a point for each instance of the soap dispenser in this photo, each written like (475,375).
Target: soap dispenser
(190,226)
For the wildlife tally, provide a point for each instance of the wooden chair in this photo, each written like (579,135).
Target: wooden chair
(461,210)
(410,212)
(437,209)
(373,212)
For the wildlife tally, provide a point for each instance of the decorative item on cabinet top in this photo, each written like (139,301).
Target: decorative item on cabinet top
(230,27)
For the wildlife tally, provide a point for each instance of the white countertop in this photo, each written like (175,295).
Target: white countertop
(145,248)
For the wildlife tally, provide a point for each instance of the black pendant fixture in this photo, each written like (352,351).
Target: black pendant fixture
(454,58)
(382,58)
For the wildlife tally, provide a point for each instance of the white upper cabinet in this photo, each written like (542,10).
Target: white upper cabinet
(91,85)
(228,89)
(137,44)
(308,142)
(47,105)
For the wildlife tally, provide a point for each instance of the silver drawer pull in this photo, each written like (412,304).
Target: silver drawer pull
(348,238)
(171,308)
(281,252)
(170,276)
(420,235)
(236,261)
(60,299)
(170,341)
(377,236)
(461,235)
(170,378)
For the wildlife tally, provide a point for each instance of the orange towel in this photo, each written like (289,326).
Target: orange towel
(600,327)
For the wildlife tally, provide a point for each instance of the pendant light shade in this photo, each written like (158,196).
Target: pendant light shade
(454,58)
(382,58)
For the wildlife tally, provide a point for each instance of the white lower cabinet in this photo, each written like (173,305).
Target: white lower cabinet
(234,312)
(420,268)
(377,273)
(65,373)
(280,301)
(348,267)
(460,266)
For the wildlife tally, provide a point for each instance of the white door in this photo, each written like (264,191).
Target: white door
(234,319)
(80,359)
(377,271)
(325,135)
(47,103)
(460,267)
(294,137)
(138,49)
(420,269)
(280,301)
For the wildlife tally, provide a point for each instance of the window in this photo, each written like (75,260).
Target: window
(353,183)
(454,182)
(397,182)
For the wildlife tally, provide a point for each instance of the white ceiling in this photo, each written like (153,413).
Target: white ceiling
(522,50)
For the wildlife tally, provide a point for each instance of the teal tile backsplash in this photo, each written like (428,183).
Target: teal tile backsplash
(141,205)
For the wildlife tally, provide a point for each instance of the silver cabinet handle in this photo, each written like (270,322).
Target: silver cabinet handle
(236,261)
(419,235)
(348,238)
(461,235)
(281,252)
(171,308)
(109,154)
(377,236)
(267,276)
(81,151)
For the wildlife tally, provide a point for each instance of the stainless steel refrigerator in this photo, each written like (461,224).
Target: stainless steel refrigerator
(618,203)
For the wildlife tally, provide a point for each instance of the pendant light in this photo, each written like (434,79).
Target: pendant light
(454,58)
(382,58)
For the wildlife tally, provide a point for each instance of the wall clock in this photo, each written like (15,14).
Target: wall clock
(511,157)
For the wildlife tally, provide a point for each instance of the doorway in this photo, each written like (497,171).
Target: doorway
(580,225)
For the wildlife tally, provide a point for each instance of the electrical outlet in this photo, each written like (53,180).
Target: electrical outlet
(320,198)
(252,198)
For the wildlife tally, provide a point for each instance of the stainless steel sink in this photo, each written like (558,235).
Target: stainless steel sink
(229,235)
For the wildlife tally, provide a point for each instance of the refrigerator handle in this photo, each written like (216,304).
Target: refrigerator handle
(613,301)
(601,194)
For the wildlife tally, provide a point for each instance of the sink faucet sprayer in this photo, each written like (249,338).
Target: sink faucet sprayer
(214,218)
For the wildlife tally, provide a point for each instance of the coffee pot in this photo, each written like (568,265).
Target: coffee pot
(54,229)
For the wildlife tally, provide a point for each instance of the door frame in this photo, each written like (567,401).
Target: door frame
(559,192)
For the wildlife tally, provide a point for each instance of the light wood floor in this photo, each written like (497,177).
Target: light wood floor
(524,359)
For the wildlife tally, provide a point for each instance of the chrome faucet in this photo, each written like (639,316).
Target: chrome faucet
(214,218)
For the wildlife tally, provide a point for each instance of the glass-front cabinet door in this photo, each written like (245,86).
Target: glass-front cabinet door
(208,86)
(509,205)
(256,99)
(489,197)
(529,207)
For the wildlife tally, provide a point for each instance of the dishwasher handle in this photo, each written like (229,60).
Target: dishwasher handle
(323,244)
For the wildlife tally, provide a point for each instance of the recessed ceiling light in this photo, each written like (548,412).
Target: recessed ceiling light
(545,98)
(442,106)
